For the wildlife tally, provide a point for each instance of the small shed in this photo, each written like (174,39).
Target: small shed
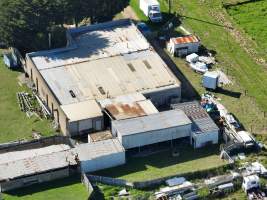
(100,155)
(182,46)
(204,130)
(152,129)
(210,80)
(11,60)
(83,117)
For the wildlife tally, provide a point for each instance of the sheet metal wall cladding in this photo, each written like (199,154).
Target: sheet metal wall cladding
(152,129)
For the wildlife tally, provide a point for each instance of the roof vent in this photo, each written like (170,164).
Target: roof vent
(72,94)
(148,66)
(130,65)
(101,90)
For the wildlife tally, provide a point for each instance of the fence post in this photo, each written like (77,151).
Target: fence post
(1,198)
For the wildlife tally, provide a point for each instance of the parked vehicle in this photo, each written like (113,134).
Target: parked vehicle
(143,28)
(250,182)
(151,8)
(199,67)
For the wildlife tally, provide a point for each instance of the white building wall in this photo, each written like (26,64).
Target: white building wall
(164,97)
(152,137)
(185,48)
(103,162)
(201,139)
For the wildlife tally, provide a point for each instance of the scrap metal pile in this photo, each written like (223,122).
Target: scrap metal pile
(178,188)
(25,101)
(31,105)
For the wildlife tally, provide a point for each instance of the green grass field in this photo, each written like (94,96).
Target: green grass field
(164,164)
(252,18)
(232,59)
(244,72)
(14,124)
(64,189)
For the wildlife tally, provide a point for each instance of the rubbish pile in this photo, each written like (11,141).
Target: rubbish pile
(32,105)
(25,101)
(196,64)
(253,168)
(178,188)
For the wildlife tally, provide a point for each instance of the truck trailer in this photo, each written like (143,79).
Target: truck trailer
(151,9)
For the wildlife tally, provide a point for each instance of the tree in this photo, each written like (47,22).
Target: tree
(26,24)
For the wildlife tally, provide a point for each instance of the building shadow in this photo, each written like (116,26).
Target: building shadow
(45,186)
(188,90)
(160,160)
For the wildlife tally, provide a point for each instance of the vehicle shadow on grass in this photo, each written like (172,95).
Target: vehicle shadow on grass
(162,160)
(229,93)
(45,186)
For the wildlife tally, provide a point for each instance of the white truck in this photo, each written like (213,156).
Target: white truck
(151,9)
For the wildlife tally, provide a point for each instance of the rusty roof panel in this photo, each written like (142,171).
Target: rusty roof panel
(185,39)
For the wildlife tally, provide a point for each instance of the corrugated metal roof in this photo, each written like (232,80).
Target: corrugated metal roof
(98,149)
(99,136)
(201,120)
(185,39)
(30,153)
(82,110)
(108,78)
(35,165)
(94,42)
(124,99)
(128,106)
(158,121)
(136,109)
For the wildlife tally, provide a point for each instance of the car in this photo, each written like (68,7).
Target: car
(143,28)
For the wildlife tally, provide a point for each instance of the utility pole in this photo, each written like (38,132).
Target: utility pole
(170,6)
(49,40)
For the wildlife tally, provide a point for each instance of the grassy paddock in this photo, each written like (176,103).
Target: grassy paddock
(251,17)
(14,124)
(64,189)
(164,164)
(246,75)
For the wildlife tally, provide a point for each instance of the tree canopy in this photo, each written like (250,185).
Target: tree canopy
(26,24)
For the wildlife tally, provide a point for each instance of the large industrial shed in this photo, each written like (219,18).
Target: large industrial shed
(101,61)
(151,129)
(204,130)
(100,155)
